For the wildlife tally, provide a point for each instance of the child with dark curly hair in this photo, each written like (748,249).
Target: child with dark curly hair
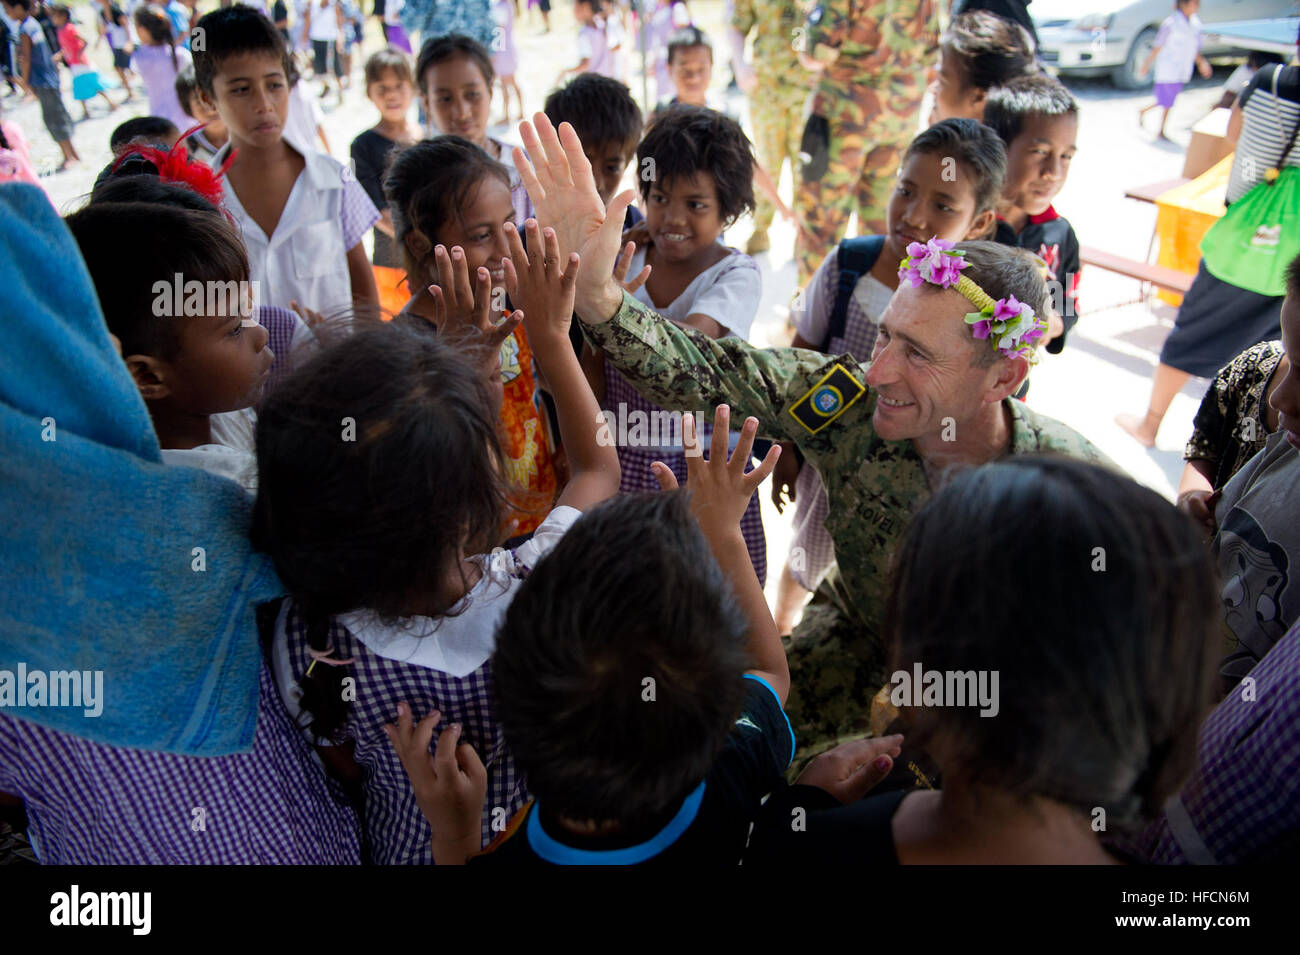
(695,168)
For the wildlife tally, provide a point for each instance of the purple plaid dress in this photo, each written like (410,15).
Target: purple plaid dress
(91,804)
(418,669)
(1242,803)
(280,325)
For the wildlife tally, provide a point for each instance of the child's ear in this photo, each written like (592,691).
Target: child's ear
(205,101)
(150,375)
(981,225)
(418,244)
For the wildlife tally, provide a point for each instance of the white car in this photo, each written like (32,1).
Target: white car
(1100,37)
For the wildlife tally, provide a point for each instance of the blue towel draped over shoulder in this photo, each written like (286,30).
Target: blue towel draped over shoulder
(101,541)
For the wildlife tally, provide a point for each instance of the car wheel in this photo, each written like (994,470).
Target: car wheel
(1126,76)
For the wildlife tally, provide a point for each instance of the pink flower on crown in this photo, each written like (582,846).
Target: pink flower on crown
(981,328)
(1009,308)
(932,262)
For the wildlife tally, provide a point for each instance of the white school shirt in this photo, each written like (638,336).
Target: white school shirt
(306,259)
(1179,40)
(324,22)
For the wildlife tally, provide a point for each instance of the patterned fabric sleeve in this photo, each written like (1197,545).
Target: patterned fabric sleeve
(680,368)
(359,214)
(1229,426)
(828,24)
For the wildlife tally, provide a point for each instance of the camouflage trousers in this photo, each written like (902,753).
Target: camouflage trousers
(776,112)
(870,127)
(836,667)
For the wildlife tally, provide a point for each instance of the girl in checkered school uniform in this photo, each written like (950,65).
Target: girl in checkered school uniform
(696,172)
(383,496)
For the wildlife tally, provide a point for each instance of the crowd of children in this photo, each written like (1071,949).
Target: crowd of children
(487,567)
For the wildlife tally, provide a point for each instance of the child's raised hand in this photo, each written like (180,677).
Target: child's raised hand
(537,284)
(464,309)
(624,265)
(720,488)
(450,785)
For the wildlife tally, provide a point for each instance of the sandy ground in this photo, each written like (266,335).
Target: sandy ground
(1106,368)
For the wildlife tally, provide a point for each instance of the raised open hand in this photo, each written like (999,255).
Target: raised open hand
(564,195)
(537,283)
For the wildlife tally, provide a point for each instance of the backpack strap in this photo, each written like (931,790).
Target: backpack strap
(855,257)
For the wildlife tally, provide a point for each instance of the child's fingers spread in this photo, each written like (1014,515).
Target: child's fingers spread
(765,467)
(718,446)
(534,177)
(515,243)
(483,298)
(637,282)
(461,281)
(570,276)
(512,277)
(744,444)
(690,439)
(506,327)
(551,252)
(664,474)
(534,230)
(624,261)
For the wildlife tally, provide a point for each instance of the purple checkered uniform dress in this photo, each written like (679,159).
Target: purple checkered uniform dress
(91,804)
(441,664)
(812,553)
(637,476)
(1242,803)
(280,324)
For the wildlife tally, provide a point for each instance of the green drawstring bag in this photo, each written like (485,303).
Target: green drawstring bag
(1259,235)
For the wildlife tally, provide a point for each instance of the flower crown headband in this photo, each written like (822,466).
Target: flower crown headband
(1012,326)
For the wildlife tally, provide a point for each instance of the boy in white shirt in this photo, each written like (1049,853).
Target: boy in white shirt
(302,213)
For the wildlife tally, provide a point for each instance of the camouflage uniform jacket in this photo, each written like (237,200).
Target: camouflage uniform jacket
(777,26)
(875,39)
(823,405)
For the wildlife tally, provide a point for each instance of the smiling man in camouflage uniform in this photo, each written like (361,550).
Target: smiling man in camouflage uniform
(871,56)
(934,398)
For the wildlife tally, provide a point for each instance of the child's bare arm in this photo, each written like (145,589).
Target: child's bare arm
(365,295)
(720,492)
(545,293)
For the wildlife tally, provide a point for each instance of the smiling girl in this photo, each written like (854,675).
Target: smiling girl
(454,74)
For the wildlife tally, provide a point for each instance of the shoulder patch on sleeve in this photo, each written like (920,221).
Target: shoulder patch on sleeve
(827,400)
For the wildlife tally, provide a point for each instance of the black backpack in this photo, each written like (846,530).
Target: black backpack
(855,257)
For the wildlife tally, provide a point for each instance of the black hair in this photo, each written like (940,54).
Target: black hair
(233,30)
(136,180)
(991,49)
(25,4)
(186,86)
(382,61)
(573,666)
(427,184)
(158,25)
(439,49)
(974,145)
(1095,602)
(597,6)
(62,10)
(379,519)
(1258,59)
(1009,105)
(601,111)
(143,127)
(1293,278)
(128,246)
(686,38)
(683,140)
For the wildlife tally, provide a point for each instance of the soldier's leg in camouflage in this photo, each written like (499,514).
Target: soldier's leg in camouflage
(824,204)
(766,115)
(835,670)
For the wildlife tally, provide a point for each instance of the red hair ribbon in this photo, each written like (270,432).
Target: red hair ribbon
(175,165)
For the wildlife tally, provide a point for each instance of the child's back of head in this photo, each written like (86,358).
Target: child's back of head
(379,468)
(153,130)
(615,715)
(1101,649)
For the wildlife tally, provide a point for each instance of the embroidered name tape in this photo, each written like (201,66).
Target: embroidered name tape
(827,400)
